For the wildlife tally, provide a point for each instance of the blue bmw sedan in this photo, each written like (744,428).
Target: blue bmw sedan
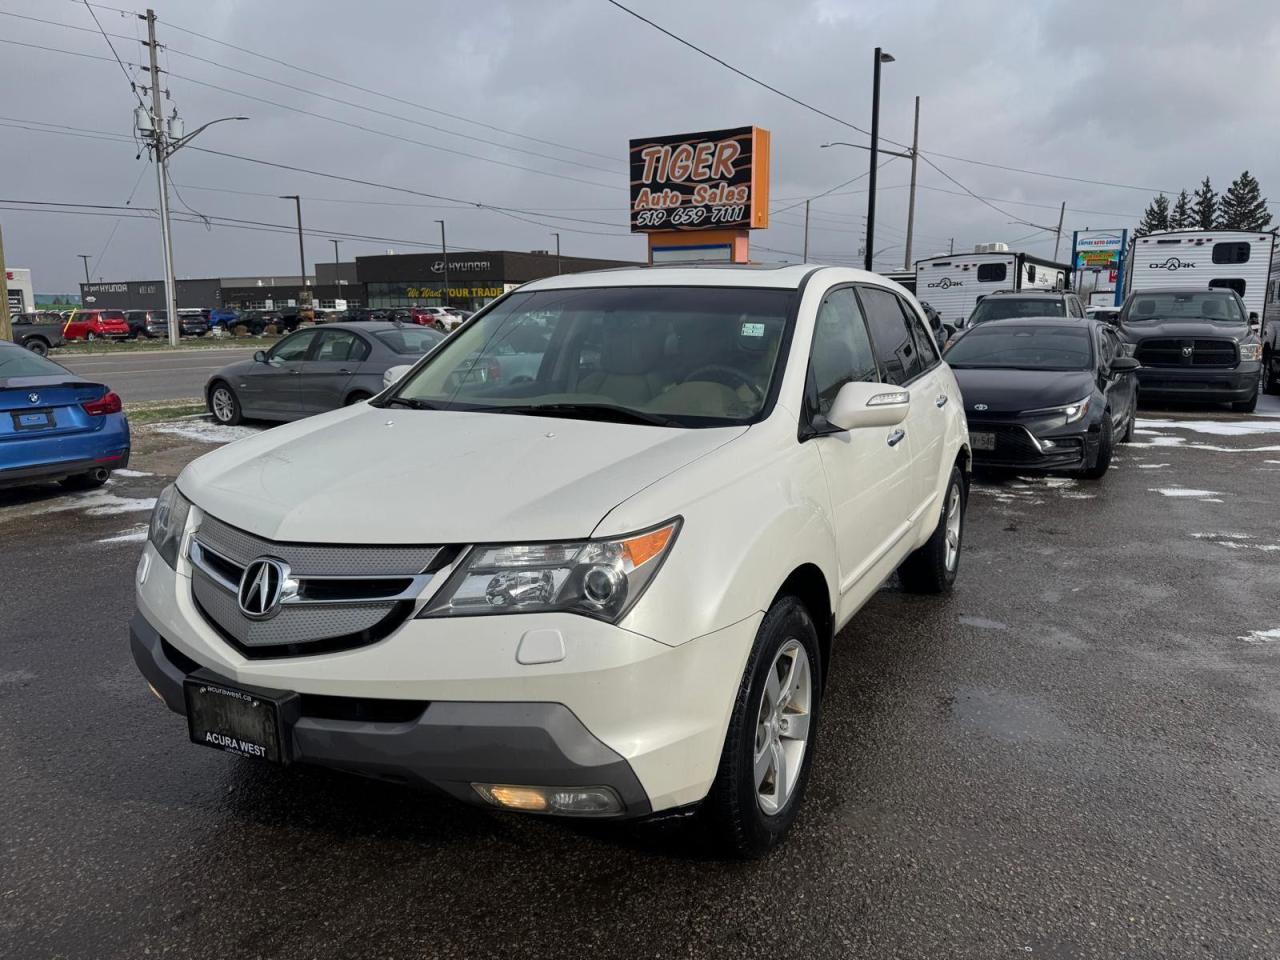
(55,425)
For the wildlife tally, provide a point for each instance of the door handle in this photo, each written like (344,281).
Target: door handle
(896,437)
(344,370)
(294,373)
(941,401)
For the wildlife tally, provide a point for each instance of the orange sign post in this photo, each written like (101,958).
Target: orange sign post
(699,195)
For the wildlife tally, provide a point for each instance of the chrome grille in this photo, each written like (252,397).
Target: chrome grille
(339,596)
(1188,352)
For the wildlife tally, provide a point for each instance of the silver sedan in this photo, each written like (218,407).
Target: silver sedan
(315,369)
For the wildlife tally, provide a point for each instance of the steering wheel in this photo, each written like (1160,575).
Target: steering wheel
(723,374)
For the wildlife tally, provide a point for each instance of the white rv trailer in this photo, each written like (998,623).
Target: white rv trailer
(954,284)
(1205,260)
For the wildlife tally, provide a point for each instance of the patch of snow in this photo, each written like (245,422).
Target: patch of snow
(205,432)
(1151,466)
(1262,636)
(1076,495)
(1211,500)
(136,535)
(1181,492)
(16,676)
(131,473)
(99,503)
(1217,428)
(1223,536)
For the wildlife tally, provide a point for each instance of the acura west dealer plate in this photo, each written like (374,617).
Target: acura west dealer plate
(982,441)
(247,721)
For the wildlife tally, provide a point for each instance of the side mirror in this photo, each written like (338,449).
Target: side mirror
(1124,364)
(260,356)
(869,405)
(393,375)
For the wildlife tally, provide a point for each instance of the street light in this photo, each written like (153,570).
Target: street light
(444,249)
(302,259)
(880,57)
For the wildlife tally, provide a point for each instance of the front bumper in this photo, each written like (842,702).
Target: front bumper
(617,709)
(1211,385)
(1016,447)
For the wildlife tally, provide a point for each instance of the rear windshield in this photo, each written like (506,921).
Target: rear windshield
(1017,347)
(17,362)
(1192,305)
(410,342)
(1011,308)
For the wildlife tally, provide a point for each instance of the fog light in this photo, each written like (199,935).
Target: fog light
(1046,444)
(563,801)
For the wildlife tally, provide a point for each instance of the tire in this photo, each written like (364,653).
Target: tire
(224,404)
(742,810)
(1102,461)
(357,397)
(1271,376)
(1127,436)
(91,336)
(86,481)
(37,346)
(932,568)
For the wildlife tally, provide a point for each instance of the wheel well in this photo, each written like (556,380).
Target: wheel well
(208,392)
(356,395)
(807,584)
(964,460)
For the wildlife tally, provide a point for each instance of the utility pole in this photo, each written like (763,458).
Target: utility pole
(302,257)
(6,325)
(1058,240)
(86,258)
(911,202)
(444,249)
(951,247)
(805,257)
(337,281)
(161,154)
(557,236)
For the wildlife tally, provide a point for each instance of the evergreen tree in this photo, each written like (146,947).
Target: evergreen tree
(1243,205)
(1181,217)
(1204,212)
(1156,217)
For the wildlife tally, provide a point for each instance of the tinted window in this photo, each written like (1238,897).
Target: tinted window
(293,347)
(1231,252)
(1231,283)
(411,341)
(1011,308)
(341,345)
(894,346)
(992,272)
(1018,347)
(841,347)
(924,340)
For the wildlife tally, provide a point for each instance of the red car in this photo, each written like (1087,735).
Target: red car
(96,324)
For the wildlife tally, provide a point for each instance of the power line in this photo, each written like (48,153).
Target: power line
(128,79)
(981,200)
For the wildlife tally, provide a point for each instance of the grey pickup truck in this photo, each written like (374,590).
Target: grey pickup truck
(38,332)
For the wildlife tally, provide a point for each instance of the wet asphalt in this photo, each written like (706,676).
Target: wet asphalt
(1075,755)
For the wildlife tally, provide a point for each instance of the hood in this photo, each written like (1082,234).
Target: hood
(368,475)
(1012,391)
(1137,332)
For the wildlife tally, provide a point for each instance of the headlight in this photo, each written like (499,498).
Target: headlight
(597,578)
(1069,413)
(168,520)
(1076,411)
(1250,351)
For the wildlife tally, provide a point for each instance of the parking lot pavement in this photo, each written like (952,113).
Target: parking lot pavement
(1075,755)
(153,375)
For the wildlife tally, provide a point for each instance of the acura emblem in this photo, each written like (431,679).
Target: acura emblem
(264,584)
(979,406)
(1188,350)
(33,397)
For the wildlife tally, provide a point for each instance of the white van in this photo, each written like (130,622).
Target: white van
(1205,260)
(954,284)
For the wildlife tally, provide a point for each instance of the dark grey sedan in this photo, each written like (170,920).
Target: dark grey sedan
(315,369)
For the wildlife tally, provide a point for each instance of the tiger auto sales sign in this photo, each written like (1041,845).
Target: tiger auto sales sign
(717,180)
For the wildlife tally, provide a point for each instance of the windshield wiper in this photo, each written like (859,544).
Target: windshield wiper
(587,411)
(410,402)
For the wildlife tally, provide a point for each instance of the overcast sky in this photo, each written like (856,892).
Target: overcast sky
(1154,94)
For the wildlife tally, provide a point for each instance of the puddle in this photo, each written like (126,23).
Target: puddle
(1008,717)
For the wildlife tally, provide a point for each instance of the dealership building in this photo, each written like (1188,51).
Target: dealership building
(390,280)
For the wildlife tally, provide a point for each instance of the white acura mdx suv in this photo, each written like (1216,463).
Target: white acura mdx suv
(605,587)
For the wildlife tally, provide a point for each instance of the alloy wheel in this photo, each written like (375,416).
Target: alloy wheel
(782,727)
(953,527)
(223,404)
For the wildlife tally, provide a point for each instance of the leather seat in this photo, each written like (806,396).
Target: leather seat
(629,358)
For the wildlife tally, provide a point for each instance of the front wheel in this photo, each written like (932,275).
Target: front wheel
(1102,462)
(225,405)
(933,567)
(768,750)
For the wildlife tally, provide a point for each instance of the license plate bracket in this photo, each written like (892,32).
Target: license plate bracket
(253,722)
(37,419)
(982,440)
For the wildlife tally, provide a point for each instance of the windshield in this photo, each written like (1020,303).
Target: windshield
(411,341)
(1011,308)
(1193,305)
(682,356)
(1022,348)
